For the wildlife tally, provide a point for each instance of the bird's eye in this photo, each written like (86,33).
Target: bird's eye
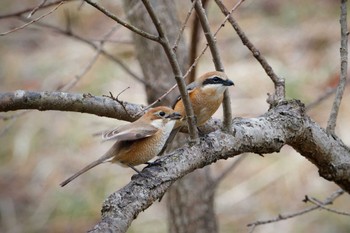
(216,79)
(161,113)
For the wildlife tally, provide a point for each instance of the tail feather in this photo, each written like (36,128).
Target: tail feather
(85,169)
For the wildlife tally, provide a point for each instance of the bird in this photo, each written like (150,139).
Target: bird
(206,94)
(137,142)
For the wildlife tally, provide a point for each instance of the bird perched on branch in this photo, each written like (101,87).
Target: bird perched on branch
(206,94)
(137,142)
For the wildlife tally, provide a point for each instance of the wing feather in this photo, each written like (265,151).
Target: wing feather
(130,132)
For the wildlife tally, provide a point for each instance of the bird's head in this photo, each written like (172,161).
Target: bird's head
(214,81)
(159,116)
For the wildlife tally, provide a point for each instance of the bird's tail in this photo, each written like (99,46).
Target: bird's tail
(85,169)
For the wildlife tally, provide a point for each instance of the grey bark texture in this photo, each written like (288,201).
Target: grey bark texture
(285,124)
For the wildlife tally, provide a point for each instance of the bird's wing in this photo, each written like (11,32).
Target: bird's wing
(190,87)
(130,132)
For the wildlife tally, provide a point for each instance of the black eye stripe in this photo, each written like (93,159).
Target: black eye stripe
(213,80)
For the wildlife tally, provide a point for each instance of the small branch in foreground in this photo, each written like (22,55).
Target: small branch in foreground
(278,81)
(329,200)
(343,68)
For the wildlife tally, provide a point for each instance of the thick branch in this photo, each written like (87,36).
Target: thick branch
(62,101)
(284,124)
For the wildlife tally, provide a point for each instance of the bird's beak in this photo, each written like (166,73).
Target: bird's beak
(228,82)
(175,116)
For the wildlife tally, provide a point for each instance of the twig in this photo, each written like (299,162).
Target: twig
(163,40)
(18,13)
(119,101)
(195,61)
(32,21)
(216,180)
(195,36)
(321,98)
(74,81)
(94,46)
(36,9)
(278,81)
(183,26)
(122,22)
(329,200)
(322,206)
(343,68)
(217,62)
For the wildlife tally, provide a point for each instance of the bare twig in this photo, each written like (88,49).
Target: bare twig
(94,46)
(195,36)
(323,97)
(163,40)
(195,61)
(31,9)
(119,101)
(36,8)
(32,21)
(217,62)
(322,206)
(74,81)
(216,180)
(183,26)
(329,200)
(278,81)
(122,22)
(343,68)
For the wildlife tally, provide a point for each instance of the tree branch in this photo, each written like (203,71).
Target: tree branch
(329,200)
(217,61)
(278,81)
(284,124)
(163,40)
(21,12)
(343,68)
(62,101)
(122,22)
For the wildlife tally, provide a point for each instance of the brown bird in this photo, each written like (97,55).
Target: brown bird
(206,95)
(137,142)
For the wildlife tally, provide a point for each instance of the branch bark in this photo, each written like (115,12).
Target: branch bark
(285,124)
(63,101)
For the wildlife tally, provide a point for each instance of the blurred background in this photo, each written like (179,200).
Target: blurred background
(38,150)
